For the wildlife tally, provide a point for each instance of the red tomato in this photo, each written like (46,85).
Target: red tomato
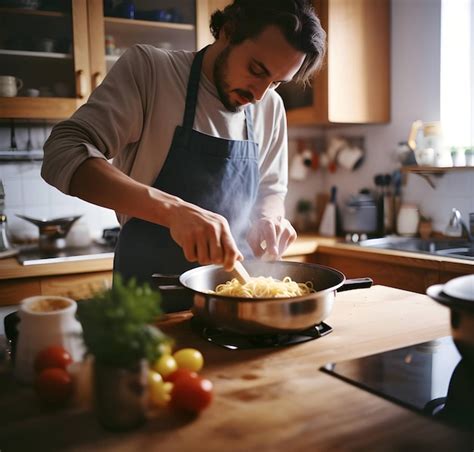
(54,386)
(54,356)
(180,373)
(191,394)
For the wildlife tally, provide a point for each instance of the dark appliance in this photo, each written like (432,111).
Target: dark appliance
(430,378)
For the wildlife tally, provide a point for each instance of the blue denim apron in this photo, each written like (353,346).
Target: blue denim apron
(216,174)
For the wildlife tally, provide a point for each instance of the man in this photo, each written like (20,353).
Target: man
(198,141)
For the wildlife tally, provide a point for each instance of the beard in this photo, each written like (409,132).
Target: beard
(222,86)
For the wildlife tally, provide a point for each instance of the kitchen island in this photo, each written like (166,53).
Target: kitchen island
(268,399)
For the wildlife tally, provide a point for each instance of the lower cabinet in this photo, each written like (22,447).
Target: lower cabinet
(75,286)
(415,275)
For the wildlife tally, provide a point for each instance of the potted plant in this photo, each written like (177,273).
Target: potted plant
(469,154)
(118,334)
(303,215)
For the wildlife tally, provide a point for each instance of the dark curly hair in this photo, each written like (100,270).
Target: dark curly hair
(245,19)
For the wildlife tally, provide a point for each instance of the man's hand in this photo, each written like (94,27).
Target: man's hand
(271,235)
(204,236)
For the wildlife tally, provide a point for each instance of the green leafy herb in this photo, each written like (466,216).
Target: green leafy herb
(116,324)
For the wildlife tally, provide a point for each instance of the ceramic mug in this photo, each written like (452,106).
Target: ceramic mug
(9,85)
(44,321)
(350,157)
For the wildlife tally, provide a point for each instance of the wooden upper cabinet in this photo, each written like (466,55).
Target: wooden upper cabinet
(168,24)
(352,87)
(203,16)
(96,42)
(354,84)
(76,62)
(53,59)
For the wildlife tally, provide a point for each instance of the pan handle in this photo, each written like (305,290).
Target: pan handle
(167,282)
(175,297)
(356,283)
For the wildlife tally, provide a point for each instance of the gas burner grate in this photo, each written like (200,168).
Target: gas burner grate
(235,341)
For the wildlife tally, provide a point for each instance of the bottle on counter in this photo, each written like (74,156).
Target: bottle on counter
(329,223)
(4,242)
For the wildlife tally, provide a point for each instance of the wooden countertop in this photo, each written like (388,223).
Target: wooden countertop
(395,256)
(304,245)
(10,268)
(269,399)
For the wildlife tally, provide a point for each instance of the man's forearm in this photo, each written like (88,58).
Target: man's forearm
(98,182)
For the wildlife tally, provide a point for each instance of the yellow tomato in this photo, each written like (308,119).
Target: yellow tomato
(165,365)
(165,348)
(159,391)
(189,358)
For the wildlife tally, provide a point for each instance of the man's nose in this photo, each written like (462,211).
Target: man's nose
(259,89)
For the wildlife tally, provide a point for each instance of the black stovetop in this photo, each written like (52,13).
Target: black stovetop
(429,378)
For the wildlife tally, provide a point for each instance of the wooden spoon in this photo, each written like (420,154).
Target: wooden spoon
(240,273)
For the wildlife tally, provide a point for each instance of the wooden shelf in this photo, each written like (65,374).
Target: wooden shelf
(34,54)
(148,23)
(21,156)
(33,12)
(426,172)
(38,107)
(434,170)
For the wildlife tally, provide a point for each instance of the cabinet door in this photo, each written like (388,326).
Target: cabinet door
(397,275)
(47,49)
(354,84)
(204,10)
(168,24)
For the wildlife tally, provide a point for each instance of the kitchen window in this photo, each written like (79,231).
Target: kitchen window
(457,72)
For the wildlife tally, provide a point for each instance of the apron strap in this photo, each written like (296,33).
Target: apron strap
(249,122)
(192,92)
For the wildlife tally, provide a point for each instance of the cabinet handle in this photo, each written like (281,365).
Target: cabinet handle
(97,79)
(80,84)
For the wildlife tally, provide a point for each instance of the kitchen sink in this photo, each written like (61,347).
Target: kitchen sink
(458,252)
(444,247)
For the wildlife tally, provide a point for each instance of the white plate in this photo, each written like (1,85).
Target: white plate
(461,288)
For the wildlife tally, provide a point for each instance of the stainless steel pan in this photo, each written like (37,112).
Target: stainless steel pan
(261,315)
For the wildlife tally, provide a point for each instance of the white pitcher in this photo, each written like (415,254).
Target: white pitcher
(10,85)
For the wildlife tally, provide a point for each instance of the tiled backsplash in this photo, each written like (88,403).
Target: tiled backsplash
(28,194)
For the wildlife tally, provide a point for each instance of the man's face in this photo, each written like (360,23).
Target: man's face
(244,72)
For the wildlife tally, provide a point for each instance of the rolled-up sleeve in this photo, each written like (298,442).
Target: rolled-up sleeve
(274,168)
(111,119)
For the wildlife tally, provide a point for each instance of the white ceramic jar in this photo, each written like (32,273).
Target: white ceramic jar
(9,85)
(408,219)
(44,321)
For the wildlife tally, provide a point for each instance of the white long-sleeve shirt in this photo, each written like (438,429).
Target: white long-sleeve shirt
(132,115)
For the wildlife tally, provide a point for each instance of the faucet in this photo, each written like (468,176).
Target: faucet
(456,226)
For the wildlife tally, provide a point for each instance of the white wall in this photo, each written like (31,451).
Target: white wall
(27,193)
(415,94)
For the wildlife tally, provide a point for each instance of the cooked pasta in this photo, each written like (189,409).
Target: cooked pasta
(265,287)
